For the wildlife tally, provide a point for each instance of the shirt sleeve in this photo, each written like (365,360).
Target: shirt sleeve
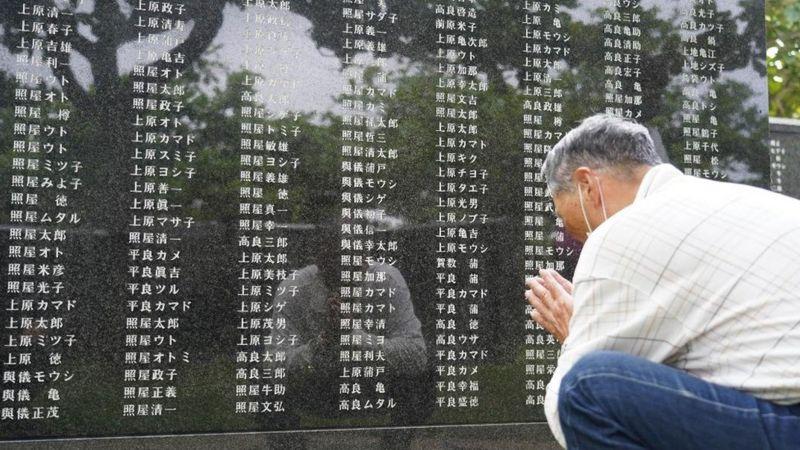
(611,314)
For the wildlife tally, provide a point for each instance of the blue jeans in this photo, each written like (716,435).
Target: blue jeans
(612,400)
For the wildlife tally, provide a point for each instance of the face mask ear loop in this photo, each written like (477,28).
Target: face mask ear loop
(583,210)
(602,200)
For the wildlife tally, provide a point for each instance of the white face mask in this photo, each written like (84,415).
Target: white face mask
(583,208)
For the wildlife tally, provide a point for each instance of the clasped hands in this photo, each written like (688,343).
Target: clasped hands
(550,296)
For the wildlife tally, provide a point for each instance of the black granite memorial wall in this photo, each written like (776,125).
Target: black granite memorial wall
(255,215)
(784,148)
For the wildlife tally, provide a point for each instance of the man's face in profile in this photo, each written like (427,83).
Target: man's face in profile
(567,207)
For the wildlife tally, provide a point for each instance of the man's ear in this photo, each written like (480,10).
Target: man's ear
(583,177)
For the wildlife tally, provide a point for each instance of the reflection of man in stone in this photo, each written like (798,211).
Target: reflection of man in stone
(682,327)
(387,330)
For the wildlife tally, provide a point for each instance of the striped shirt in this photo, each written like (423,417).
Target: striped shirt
(700,275)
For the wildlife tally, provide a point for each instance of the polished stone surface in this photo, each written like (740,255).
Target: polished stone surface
(404,139)
(516,436)
(784,145)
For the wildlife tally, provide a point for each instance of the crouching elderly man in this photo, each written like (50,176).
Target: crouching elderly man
(681,328)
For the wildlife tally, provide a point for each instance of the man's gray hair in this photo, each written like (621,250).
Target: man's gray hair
(599,142)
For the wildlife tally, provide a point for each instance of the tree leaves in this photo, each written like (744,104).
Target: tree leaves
(783,57)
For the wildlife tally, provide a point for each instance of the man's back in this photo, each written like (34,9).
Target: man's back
(681,328)
(704,276)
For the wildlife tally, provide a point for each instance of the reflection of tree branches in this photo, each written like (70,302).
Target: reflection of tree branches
(752,12)
(737,50)
(70,86)
(109,26)
(207,16)
(113,29)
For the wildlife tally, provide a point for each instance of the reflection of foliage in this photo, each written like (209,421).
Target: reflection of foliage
(742,132)
(783,57)
(416,34)
(100,135)
(215,120)
(100,118)
(216,128)
(661,60)
(416,139)
(114,26)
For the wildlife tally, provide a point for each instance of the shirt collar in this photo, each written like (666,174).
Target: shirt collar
(655,179)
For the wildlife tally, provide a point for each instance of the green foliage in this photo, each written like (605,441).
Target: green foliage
(101,127)
(783,57)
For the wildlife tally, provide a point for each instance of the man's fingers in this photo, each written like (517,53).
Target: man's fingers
(551,327)
(543,309)
(551,300)
(550,296)
(549,282)
(565,283)
(531,280)
(539,290)
(532,298)
(537,316)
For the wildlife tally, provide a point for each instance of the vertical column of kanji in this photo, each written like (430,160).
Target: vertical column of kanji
(777,162)
(352,135)
(267,163)
(161,164)
(700,34)
(45,177)
(461,186)
(368,279)
(545,45)
(622,55)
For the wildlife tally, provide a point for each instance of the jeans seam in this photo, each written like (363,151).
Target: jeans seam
(565,430)
(580,378)
(764,430)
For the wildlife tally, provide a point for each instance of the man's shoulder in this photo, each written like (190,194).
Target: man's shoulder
(686,200)
(691,189)
(663,218)
(688,211)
